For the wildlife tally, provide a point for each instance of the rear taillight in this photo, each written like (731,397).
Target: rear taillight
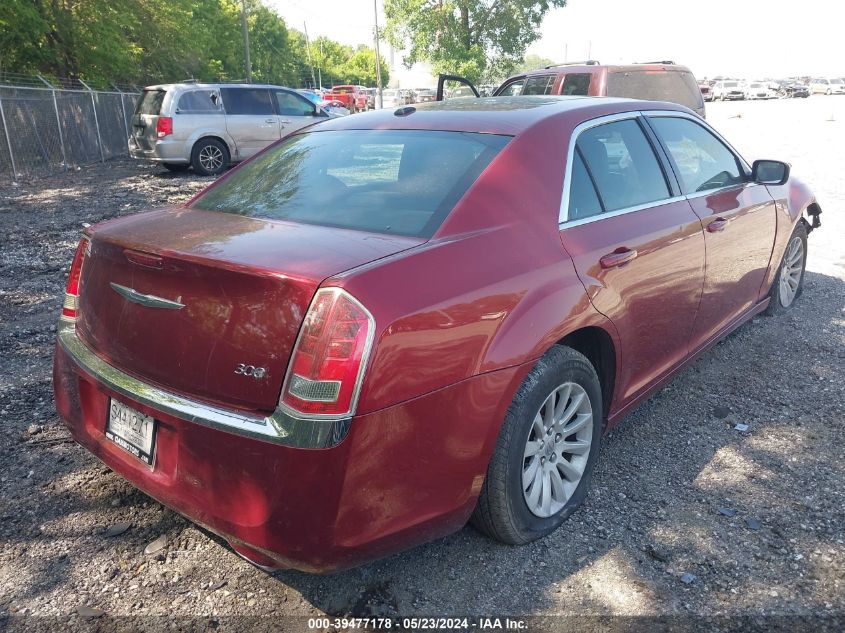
(70,307)
(330,356)
(164,127)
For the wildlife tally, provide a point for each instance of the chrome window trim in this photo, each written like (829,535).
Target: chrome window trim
(563,216)
(281,427)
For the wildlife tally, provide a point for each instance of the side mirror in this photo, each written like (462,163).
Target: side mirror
(770,172)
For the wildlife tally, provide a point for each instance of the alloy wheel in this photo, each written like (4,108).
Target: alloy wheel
(557,449)
(790,271)
(211,158)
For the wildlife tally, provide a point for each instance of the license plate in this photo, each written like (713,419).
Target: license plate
(132,431)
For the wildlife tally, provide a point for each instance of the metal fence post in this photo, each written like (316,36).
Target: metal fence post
(96,120)
(8,141)
(58,121)
(122,109)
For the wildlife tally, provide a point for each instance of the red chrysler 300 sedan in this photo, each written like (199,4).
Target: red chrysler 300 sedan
(388,324)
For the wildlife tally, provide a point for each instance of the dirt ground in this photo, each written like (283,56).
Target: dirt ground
(687,516)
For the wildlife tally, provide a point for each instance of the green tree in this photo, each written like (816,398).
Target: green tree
(474,38)
(361,68)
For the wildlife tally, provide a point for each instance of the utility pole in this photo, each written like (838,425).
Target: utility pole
(308,48)
(379,100)
(247,63)
(320,68)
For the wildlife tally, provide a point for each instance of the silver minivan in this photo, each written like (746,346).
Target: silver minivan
(209,126)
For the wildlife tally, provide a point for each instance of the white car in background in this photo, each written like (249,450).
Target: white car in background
(728,89)
(758,90)
(827,86)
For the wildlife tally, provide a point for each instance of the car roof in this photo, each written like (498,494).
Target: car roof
(492,115)
(207,86)
(590,68)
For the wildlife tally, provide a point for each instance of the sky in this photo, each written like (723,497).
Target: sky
(741,38)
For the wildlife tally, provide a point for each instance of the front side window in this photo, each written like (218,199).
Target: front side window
(199,102)
(538,85)
(293,105)
(513,89)
(702,160)
(576,84)
(623,165)
(255,101)
(401,182)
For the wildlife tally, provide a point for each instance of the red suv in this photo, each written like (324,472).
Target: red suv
(350,96)
(386,325)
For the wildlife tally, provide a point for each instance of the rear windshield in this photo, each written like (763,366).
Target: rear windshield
(402,182)
(150,102)
(675,86)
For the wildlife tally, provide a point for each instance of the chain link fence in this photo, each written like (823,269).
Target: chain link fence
(45,127)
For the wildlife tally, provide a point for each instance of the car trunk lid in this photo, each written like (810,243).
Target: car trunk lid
(209,304)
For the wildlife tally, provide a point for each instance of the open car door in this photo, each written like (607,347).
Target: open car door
(452,86)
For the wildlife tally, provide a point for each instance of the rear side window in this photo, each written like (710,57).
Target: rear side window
(150,102)
(583,200)
(401,182)
(623,165)
(200,101)
(538,85)
(675,86)
(247,101)
(576,84)
(703,162)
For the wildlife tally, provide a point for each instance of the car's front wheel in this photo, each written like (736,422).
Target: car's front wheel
(789,279)
(209,157)
(546,449)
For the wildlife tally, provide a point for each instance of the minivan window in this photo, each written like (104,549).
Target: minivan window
(247,101)
(195,101)
(703,162)
(576,84)
(583,200)
(538,85)
(675,86)
(292,105)
(401,182)
(150,102)
(623,165)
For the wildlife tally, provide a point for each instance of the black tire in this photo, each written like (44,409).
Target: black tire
(776,294)
(502,512)
(212,146)
(176,167)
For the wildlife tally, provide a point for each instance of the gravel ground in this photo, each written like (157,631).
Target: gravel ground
(687,514)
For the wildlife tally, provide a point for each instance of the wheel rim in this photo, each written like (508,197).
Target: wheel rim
(211,158)
(557,449)
(790,272)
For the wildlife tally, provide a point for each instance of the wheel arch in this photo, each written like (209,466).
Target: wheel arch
(598,346)
(223,138)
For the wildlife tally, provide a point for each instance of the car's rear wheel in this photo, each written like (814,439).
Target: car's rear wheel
(546,449)
(209,157)
(789,279)
(176,167)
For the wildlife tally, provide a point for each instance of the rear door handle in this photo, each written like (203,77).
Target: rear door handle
(270,121)
(619,257)
(717,226)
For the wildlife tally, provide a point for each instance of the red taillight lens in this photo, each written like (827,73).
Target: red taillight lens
(164,127)
(328,361)
(70,307)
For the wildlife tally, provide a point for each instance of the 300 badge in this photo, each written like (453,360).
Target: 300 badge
(250,370)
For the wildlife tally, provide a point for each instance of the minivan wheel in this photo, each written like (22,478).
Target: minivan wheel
(176,167)
(209,157)
(789,279)
(546,450)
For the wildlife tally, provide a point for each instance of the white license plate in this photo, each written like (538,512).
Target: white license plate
(131,430)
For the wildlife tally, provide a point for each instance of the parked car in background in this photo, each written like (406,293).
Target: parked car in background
(370,93)
(353,395)
(209,126)
(827,86)
(794,90)
(332,107)
(394,98)
(424,95)
(728,90)
(706,92)
(664,81)
(757,90)
(350,96)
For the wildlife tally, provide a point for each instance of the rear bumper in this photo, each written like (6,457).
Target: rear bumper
(400,476)
(166,151)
